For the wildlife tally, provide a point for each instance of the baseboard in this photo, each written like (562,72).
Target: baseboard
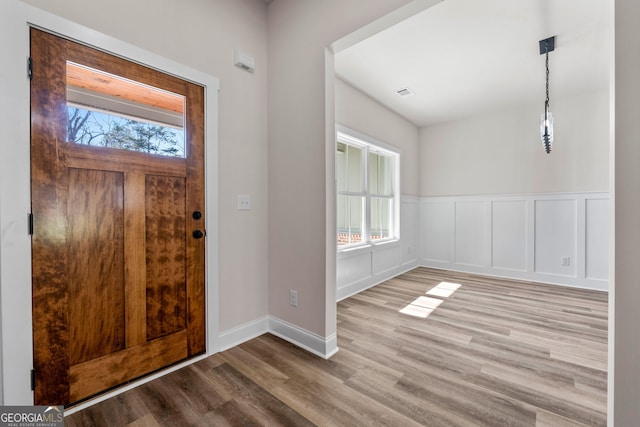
(245,332)
(320,346)
(547,279)
(362,285)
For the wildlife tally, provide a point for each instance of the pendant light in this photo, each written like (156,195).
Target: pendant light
(546,123)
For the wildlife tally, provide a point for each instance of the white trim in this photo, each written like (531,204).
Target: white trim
(245,332)
(362,139)
(368,145)
(320,346)
(387,21)
(15,246)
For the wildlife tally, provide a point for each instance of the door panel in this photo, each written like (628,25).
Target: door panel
(166,252)
(96,283)
(95,376)
(118,278)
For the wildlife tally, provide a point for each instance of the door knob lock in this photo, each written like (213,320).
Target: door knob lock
(197,234)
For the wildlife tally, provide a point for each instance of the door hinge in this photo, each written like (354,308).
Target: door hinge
(30,68)
(33,379)
(30,223)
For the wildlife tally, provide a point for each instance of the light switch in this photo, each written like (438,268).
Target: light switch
(244,202)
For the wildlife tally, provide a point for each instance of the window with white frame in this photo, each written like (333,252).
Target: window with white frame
(367,184)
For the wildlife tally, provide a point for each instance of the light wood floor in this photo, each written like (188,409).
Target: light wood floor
(494,353)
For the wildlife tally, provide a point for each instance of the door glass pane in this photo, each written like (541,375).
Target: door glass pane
(350,219)
(109,111)
(381,218)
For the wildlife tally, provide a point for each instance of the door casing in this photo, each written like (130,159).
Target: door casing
(211,164)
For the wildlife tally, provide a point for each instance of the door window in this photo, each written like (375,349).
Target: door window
(105,110)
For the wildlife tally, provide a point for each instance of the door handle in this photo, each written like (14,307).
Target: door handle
(197,234)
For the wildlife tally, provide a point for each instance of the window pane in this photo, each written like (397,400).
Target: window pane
(373,173)
(384,176)
(381,218)
(341,167)
(350,219)
(355,168)
(349,169)
(105,110)
(380,174)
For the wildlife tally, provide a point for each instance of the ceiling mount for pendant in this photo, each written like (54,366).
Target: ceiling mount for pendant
(547,45)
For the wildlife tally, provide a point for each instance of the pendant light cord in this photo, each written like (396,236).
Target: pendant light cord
(546,102)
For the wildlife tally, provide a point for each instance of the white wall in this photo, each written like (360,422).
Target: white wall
(301,154)
(522,237)
(501,152)
(203,36)
(362,113)
(361,268)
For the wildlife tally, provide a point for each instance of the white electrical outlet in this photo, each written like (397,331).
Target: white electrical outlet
(566,261)
(244,202)
(293,298)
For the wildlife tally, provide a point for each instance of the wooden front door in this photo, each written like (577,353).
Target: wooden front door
(118,220)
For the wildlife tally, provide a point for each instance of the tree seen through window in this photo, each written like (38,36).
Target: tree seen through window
(100,129)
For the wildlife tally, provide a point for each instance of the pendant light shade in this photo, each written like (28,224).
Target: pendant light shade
(546,130)
(546,121)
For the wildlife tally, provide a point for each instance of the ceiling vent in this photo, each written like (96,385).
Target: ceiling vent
(405,92)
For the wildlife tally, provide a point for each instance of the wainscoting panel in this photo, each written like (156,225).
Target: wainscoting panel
(509,235)
(472,230)
(354,267)
(409,238)
(549,238)
(386,259)
(437,219)
(555,237)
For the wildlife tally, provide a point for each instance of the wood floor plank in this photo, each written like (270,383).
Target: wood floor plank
(147,421)
(496,352)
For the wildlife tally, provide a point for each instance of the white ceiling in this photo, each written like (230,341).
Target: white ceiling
(463,57)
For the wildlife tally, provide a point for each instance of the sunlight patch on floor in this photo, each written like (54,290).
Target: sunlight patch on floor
(421,307)
(424,306)
(443,289)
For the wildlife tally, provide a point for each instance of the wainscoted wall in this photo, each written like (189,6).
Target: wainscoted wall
(363,267)
(550,238)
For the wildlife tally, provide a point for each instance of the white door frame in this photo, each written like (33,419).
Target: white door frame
(15,199)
